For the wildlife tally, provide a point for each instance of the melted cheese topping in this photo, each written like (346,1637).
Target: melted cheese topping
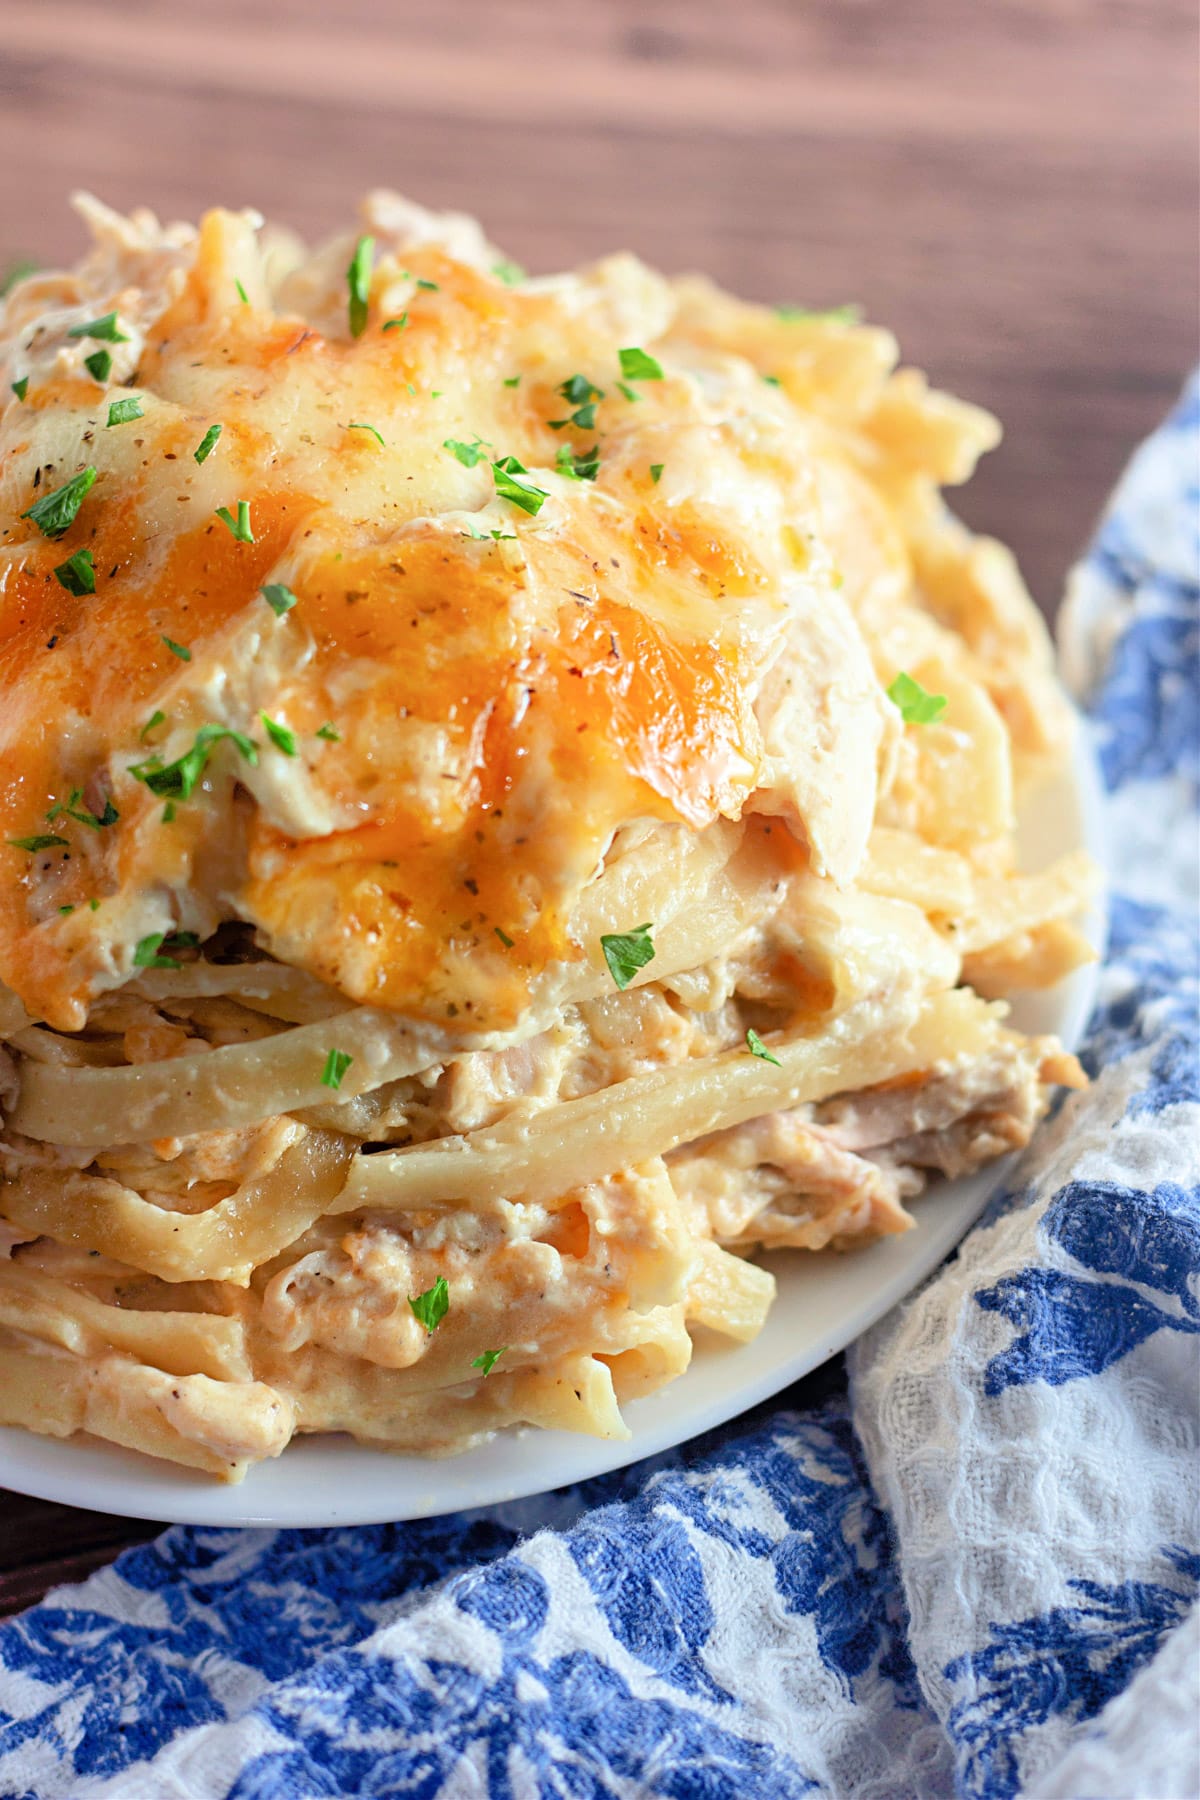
(480,698)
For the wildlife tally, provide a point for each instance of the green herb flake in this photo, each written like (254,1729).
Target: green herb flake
(242,295)
(626,952)
(156,718)
(637,365)
(397,324)
(504,938)
(329,734)
(21,388)
(757,1048)
(93,906)
(431,1307)
(77,574)
(279,735)
(177,780)
(357,425)
(168,813)
(512,381)
(240,527)
(832,315)
(578,465)
(583,395)
(336,1064)
(146,953)
(66,911)
(179,650)
(124,412)
(55,513)
(917,707)
(430,287)
(46,840)
(358,278)
(467,454)
(279,598)
(629,393)
(105,328)
(207,444)
(510,273)
(530,499)
(656,470)
(99,365)
(81,814)
(488,1360)
(772,381)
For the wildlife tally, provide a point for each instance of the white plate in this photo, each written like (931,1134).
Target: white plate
(824,1302)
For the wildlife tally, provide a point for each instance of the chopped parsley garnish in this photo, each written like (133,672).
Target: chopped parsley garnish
(757,1048)
(109,816)
(279,598)
(358,278)
(628,392)
(46,840)
(396,324)
(179,650)
(240,527)
(431,287)
(488,1360)
(329,734)
(156,718)
(583,395)
(772,381)
(66,911)
(93,906)
(279,734)
(168,812)
(146,953)
(105,328)
(656,470)
(21,388)
(242,295)
(636,365)
(431,1307)
(124,412)
(55,512)
(357,425)
(99,365)
(177,780)
(530,499)
(504,938)
(467,454)
(77,574)
(512,381)
(917,707)
(207,444)
(626,952)
(833,315)
(579,465)
(336,1064)
(508,272)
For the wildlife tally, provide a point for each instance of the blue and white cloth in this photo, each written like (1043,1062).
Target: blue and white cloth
(970,1567)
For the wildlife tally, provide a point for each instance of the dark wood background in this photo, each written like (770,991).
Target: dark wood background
(1010,185)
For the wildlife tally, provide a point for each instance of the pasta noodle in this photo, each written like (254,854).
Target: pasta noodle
(491,869)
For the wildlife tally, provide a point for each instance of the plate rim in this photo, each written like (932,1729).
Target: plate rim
(100,1477)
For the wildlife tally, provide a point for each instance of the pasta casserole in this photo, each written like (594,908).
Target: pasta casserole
(508,793)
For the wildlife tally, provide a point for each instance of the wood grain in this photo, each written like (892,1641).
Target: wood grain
(1010,186)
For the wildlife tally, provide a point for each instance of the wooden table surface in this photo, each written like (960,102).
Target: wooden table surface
(1010,186)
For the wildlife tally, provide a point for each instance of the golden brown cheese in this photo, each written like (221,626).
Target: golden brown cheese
(478,696)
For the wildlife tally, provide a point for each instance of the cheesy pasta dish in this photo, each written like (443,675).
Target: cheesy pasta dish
(508,793)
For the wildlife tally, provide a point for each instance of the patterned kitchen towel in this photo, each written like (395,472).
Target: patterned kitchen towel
(972,1571)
